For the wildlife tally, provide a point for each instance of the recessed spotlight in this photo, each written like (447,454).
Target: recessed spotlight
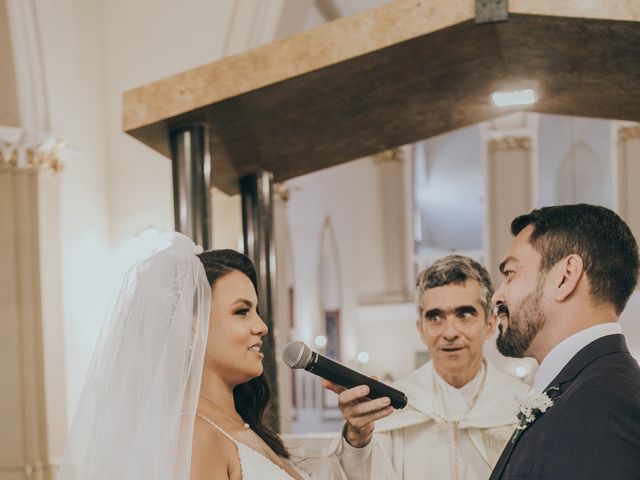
(515,97)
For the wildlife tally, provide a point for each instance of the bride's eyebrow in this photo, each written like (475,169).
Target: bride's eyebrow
(244,301)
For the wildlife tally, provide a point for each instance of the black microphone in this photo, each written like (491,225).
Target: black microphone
(298,355)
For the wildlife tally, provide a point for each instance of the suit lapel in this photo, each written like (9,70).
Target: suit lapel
(602,346)
(504,458)
(511,444)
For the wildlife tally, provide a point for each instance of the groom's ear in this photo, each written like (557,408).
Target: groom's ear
(568,276)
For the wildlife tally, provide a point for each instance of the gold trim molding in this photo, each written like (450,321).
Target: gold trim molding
(389,156)
(283,191)
(509,143)
(628,133)
(43,157)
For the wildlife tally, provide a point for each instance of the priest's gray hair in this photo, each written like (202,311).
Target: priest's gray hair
(455,269)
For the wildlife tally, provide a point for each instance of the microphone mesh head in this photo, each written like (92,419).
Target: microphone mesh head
(296,355)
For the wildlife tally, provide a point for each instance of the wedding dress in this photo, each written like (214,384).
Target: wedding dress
(254,465)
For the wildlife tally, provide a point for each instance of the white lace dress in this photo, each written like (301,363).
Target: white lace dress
(254,465)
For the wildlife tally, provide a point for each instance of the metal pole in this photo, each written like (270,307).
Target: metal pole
(257,221)
(191,156)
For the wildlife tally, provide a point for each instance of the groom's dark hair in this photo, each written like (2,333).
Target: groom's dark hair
(598,235)
(251,398)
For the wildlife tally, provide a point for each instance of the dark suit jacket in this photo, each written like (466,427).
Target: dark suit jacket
(593,429)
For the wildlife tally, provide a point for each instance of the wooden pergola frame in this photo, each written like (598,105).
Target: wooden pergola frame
(408,70)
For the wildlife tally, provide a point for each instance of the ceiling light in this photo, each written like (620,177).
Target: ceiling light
(320,341)
(515,97)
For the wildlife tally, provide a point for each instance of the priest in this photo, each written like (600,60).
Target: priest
(461,410)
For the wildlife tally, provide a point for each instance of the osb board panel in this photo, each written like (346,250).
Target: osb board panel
(625,10)
(417,89)
(332,43)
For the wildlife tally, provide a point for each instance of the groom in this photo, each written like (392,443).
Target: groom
(567,277)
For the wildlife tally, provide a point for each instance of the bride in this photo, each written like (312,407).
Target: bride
(175,390)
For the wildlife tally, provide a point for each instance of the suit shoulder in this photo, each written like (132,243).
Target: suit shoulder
(605,396)
(616,375)
(593,429)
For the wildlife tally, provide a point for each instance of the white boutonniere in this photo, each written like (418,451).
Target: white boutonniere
(532,409)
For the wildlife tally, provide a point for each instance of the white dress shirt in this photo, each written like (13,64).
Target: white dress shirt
(562,353)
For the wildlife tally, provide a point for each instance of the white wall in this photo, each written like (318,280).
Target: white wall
(350,196)
(314,198)
(631,325)
(451,195)
(9,108)
(388,334)
(146,40)
(575,164)
(73,57)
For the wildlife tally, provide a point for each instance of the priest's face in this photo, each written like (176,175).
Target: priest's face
(453,326)
(519,300)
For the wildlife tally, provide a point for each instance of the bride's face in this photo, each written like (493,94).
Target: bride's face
(235,330)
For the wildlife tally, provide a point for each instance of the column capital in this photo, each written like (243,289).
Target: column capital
(19,151)
(628,132)
(394,155)
(509,143)
(510,131)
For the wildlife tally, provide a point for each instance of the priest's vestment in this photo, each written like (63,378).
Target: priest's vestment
(443,433)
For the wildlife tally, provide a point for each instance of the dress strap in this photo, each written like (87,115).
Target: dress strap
(214,425)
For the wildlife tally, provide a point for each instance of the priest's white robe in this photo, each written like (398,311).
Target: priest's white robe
(443,433)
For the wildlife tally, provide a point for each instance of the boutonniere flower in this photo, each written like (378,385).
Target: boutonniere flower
(532,409)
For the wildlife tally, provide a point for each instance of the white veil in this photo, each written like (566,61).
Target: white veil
(136,413)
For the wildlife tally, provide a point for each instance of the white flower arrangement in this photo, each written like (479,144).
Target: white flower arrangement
(531,410)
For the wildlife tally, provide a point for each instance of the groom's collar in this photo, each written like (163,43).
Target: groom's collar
(601,346)
(562,353)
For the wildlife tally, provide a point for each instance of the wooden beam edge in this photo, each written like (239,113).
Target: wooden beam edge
(332,43)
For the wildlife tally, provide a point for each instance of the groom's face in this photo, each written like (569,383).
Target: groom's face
(519,299)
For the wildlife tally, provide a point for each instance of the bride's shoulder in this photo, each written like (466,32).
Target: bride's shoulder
(213,454)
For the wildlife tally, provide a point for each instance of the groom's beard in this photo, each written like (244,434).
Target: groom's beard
(525,321)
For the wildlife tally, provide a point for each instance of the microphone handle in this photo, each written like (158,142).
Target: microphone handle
(345,377)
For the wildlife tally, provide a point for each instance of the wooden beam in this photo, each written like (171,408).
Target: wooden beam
(400,73)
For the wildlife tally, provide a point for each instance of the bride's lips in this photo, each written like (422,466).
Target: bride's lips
(255,348)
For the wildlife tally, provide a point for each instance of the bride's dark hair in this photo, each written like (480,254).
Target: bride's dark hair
(252,397)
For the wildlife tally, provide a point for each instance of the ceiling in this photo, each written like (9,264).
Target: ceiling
(398,74)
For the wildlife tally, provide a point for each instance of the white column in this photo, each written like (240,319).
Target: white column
(627,196)
(391,166)
(511,180)
(32,384)
(28,66)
